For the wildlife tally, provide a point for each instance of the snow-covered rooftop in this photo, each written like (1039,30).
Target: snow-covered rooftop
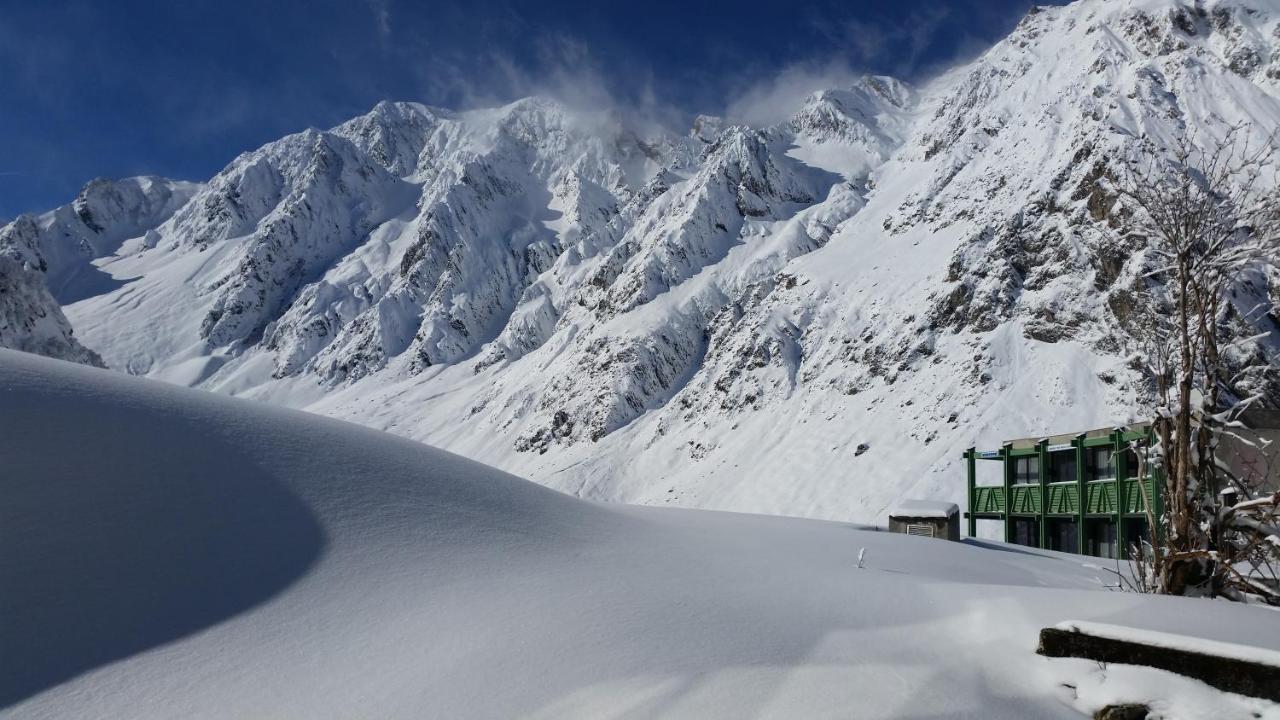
(924,509)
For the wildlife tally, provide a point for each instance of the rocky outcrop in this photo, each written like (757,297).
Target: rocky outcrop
(313,224)
(48,259)
(102,216)
(30,319)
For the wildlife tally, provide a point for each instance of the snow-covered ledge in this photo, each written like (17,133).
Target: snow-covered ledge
(1227,666)
(924,509)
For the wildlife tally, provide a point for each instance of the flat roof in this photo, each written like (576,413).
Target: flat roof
(924,509)
(1253,419)
(1020,443)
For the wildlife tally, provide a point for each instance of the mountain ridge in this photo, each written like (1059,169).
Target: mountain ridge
(718,318)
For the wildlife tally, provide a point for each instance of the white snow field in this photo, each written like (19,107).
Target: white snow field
(166,552)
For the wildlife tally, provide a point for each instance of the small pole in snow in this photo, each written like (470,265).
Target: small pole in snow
(862,552)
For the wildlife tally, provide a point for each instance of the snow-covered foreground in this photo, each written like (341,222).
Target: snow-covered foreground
(172,553)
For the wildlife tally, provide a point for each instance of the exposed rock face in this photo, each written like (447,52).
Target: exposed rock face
(313,177)
(1123,712)
(502,194)
(733,310)
(49,259)
(103,215)
(30,319)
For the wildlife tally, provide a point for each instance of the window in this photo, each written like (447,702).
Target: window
(1062,466)
(1131,463)
(1135,535)
(1102,464)
(1100,538)
(1026,531)
(1026,470)
(1062,536)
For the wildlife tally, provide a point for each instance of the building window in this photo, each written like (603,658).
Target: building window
(1026,531)
(1135,536)
(1026,470)
(1102,464)
(1131,463)
(1100,538)
(1062,535)
(1062,466)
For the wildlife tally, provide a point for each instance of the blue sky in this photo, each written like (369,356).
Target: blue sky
(179,88)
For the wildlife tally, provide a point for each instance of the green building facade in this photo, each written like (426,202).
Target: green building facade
(1087,493)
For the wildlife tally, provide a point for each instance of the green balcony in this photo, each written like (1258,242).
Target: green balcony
(1133,495)
(1064,498)
(1026,500)
(1100,497)
(988,500)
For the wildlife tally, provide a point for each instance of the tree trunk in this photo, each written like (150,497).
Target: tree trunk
(1176,571)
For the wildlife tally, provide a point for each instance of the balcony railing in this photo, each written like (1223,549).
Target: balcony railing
(1064,498)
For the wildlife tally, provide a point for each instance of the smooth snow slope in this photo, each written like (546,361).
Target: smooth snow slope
(172,553)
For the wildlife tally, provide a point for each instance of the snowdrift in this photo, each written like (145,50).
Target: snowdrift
(170,553)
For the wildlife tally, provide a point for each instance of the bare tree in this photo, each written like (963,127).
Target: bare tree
(1211,216)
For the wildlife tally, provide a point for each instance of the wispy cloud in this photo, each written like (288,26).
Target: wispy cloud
(773,98)
(381,17)
(908,48)
(118,94)
(557,65)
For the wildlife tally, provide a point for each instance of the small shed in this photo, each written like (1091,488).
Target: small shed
(926,518)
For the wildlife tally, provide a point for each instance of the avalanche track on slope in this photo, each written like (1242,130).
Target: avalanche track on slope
(172,553)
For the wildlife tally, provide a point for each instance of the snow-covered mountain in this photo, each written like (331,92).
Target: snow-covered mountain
(30,319)
(49,259)
(811,318)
